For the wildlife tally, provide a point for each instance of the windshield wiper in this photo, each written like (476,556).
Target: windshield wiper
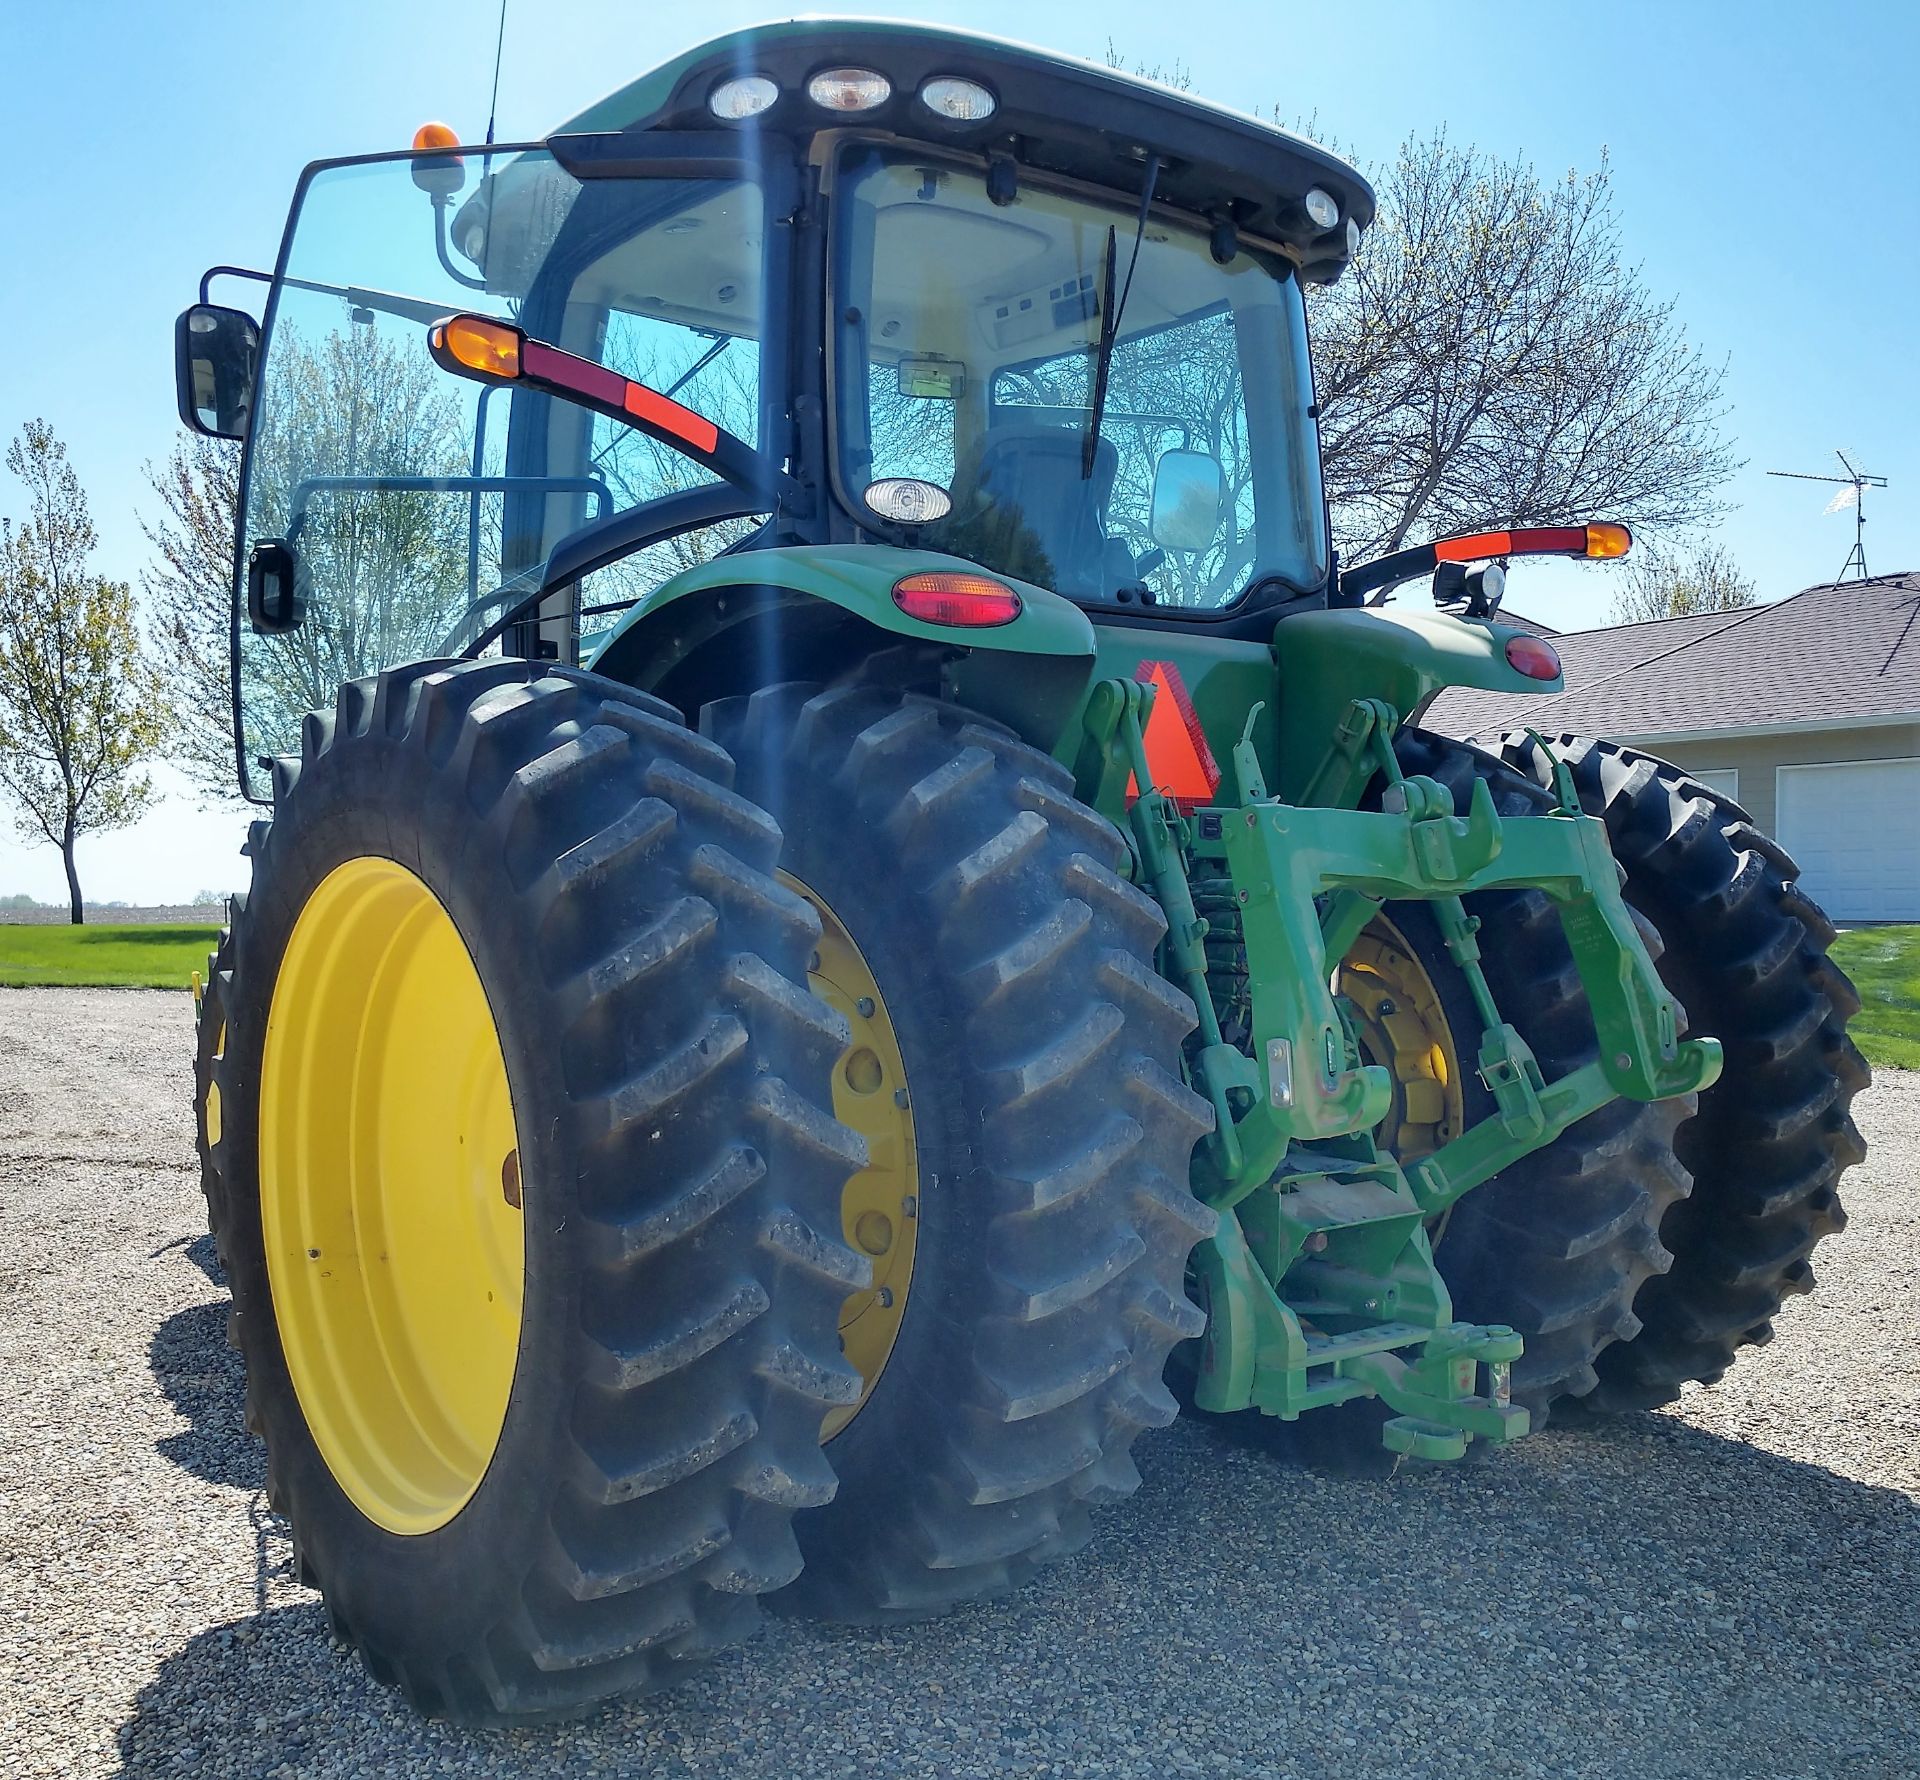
(1110,312)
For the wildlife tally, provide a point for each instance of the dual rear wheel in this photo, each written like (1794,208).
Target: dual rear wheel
(633,1213)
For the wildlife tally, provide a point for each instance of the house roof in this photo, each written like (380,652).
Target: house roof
(1841,653)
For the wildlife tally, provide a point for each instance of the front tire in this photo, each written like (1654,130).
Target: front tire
(516,1010)
(1051,1128)
(1561,1244)
(1746,954)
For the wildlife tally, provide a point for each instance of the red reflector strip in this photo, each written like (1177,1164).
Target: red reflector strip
(1534,540)
(580,376)
(657,410)
(1177,750)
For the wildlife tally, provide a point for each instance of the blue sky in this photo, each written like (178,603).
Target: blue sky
(1765,161)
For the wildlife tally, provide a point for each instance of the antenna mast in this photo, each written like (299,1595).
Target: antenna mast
(499,44)
(1853,493)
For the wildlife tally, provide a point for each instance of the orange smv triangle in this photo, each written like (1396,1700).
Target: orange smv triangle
(1183,765)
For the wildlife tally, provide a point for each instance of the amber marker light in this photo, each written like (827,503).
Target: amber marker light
(1608,538)
(434,136)
(955,597)
(489,347)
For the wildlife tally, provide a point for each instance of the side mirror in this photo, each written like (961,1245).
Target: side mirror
(214,351)
(1187,490)
(277,586)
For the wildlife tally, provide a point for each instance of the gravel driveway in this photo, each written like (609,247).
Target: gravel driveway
(1730,1589)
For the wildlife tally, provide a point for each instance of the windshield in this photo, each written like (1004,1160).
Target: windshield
(420,504)
(965,357)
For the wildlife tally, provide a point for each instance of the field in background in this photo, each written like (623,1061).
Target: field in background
(1884,963)
(106,956)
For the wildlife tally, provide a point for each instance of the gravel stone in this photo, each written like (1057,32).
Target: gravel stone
(1721,1590)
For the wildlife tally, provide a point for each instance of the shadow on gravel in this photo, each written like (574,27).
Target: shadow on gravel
(206,1384)
(1641,1600)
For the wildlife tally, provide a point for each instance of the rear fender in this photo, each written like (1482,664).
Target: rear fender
(1327,659)
(815,612)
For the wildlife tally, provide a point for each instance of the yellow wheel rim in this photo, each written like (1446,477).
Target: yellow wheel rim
(390,1196)
(1403,1028)
(880,1206)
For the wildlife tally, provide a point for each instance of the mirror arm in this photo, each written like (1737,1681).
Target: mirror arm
(212,272)
(440,247)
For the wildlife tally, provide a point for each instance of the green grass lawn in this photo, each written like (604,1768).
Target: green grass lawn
(1884,963)
(107,957)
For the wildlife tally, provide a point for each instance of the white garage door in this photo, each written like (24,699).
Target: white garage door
(1855,829)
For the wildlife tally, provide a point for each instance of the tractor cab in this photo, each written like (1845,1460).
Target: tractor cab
(814,285)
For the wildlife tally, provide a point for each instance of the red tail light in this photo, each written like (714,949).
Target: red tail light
(953,597)
(1534,657)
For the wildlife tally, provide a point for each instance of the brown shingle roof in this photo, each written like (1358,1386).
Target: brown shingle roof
(1838,653)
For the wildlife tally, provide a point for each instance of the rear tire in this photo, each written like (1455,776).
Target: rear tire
(1052,1133)
(677,1160)
(1746,954)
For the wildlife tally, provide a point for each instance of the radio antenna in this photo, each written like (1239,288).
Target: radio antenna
(1853,493)
(499,43)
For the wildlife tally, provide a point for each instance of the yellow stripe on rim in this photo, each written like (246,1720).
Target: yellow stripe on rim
(390,1196)
(879,1206)
(213,1087)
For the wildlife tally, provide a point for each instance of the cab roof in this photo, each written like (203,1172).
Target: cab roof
(1055,114)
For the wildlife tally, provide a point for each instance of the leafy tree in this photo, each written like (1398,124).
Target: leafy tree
(80,704)
(1704,578)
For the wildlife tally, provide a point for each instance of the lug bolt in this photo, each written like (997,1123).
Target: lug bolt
(864,1007)
(886,1297)
(1623,1061)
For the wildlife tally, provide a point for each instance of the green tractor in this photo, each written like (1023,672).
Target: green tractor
(855,907)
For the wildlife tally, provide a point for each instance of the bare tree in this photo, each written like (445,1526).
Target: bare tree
(80,705)
(388,565)
(1494,358)
(1704,578)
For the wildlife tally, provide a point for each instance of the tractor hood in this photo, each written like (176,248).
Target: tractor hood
(1055,114)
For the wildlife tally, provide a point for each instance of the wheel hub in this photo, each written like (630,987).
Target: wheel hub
(1403,1028)
(880,1206)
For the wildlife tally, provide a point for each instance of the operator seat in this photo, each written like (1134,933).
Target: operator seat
(1033,470)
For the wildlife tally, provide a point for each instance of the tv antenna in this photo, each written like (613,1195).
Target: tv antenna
(1853,493)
